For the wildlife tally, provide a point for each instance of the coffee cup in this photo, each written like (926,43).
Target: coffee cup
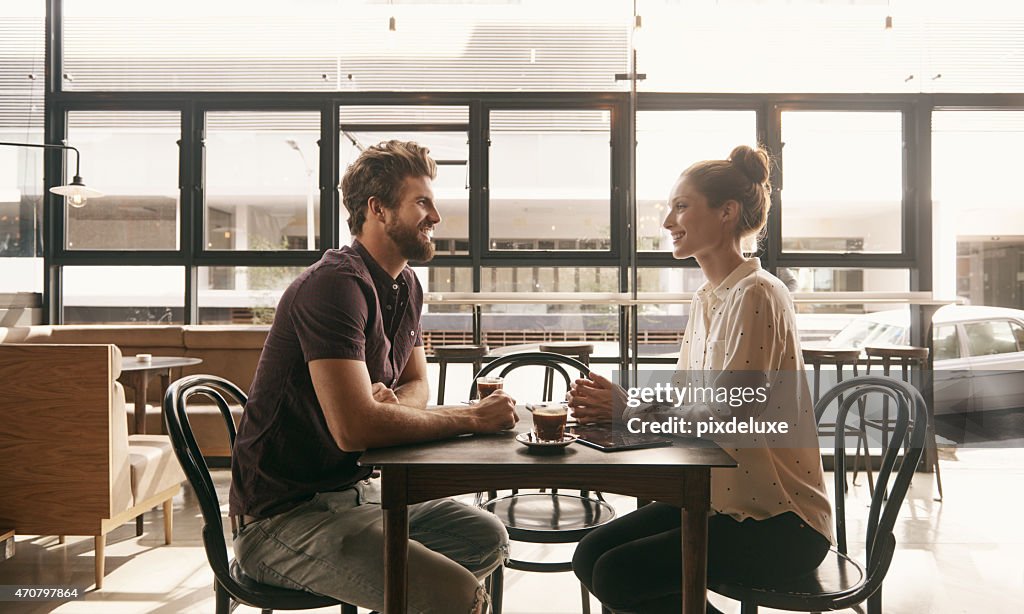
(549,421)
(486,385)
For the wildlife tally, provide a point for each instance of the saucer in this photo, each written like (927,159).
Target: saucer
(529,440)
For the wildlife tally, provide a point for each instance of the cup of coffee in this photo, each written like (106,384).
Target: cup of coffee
(486,385)
(549,421)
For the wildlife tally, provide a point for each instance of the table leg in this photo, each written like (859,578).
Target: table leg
(695,543)
(141,388)
(165,383)
(396,539)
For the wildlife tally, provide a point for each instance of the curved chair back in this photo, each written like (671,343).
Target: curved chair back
(194,465)
(511,362)
(890,488)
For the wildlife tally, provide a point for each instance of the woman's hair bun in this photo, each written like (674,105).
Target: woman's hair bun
(752,162)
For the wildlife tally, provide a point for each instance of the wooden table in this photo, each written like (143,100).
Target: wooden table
(679,476)
(135,374)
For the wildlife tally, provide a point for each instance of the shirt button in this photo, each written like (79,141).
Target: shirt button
(394,287)
(412,333)
(389,307)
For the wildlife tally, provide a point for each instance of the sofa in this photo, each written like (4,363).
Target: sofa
(69,465)
(231,352)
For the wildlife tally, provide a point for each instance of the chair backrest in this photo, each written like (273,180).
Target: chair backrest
(192,462)
(890,490)
(511,362)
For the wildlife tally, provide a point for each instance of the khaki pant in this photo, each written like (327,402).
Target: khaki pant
(334,545)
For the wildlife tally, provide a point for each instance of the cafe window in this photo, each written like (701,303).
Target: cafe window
(139,295)
(946,342)
(241,294)
(261,176)
(667,143)
(132,158)
(843,182)
(550,179)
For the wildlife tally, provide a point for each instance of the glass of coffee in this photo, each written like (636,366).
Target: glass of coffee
(486,385)
(549,421)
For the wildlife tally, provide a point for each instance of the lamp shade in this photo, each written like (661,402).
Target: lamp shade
(76,192)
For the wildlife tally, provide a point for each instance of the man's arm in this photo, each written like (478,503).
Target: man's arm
(413,389)
(358,422)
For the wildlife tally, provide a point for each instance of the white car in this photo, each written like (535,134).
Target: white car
(979,353)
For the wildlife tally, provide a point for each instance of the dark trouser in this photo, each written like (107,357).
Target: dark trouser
(634,563)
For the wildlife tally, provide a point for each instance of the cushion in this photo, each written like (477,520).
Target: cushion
(154,466)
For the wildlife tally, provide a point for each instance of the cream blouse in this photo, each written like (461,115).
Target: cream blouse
(747,323)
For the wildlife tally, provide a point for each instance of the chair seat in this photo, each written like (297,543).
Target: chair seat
(154,467)
(837,576)
(450,352)
(549,518)
(567,348)
(276,598)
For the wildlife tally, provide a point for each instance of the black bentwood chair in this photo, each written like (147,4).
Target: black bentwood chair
(546,517)
(840,582)
(231,585)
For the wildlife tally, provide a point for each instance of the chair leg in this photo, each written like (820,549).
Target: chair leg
(60,539)
(222,599)
(586,598)
(497,582)
(442,369)
(168,521)
(100,541)
(347,608)
(875,602)
(138,524)
(748,608)
(266,611)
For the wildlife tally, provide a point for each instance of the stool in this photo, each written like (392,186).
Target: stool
(577,350)
(840,358)
(905,357)
(456,353)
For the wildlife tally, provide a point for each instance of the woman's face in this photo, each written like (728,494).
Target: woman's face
(696,228)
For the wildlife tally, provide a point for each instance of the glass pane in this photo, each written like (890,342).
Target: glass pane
(987,338)
(22,89)
(345,45)
(550,178)
(978,224)
(262,189)
(446,324)
(842,324)
(667,143)
(523,326)
(242,295)
(132,158)
(661,325)
(403,114)
(946,342)
(451,186)
(843,182)
(124,295)
(21,209)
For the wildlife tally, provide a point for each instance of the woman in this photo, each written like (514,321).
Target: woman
(770,515)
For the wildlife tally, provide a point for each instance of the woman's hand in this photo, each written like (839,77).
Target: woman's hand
(596,399)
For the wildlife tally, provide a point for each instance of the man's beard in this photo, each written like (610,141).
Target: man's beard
(410,244)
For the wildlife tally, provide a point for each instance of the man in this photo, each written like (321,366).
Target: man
(343,370)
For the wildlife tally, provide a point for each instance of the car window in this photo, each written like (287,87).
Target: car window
(946,342)
(1018,333)
(987,338)
(858,334)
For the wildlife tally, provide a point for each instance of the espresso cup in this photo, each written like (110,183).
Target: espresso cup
(549,422)
(486,385)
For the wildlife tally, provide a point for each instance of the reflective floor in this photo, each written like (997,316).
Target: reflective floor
(960,555)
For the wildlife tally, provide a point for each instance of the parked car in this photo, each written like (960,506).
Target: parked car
(978,353)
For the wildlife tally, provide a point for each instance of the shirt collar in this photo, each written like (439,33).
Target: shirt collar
(380,277)
(744,268)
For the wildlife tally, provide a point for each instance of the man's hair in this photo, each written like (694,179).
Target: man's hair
(379,171)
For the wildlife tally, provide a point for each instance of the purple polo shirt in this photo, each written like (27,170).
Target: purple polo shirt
(344,306)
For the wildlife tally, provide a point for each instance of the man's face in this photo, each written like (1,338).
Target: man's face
(410,225)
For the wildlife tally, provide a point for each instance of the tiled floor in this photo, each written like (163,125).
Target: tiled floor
(965,554)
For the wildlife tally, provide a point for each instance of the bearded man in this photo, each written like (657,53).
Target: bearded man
(343,370)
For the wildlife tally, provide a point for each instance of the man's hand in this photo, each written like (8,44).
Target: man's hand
(383,394)
(495,413)
(596,399)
